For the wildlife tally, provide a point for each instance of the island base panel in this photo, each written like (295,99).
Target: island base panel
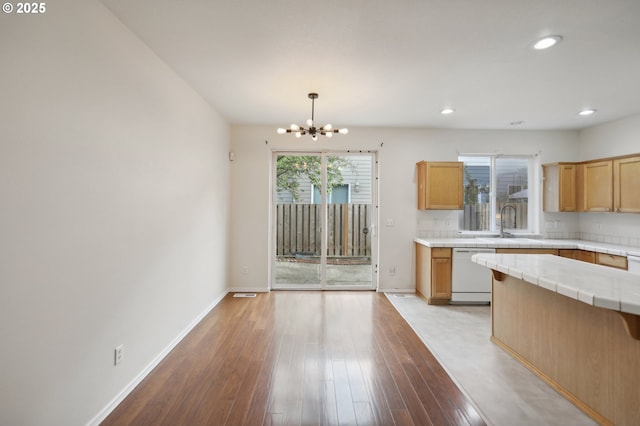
(584,352)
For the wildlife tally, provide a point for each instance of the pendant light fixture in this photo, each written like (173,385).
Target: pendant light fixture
(326,130)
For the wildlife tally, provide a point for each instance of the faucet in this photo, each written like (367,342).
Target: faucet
(515,225)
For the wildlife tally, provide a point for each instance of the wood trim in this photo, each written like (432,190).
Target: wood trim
(497,275)
(618,157)
(631,324)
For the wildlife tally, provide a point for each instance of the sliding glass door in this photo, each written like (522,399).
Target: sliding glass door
(324,234)
(298,227)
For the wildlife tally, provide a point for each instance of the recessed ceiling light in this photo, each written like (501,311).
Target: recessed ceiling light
(547,42)
(447,111)
(587,111)
(516,123)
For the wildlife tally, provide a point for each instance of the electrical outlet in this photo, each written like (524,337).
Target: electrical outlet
(118,354)
(245,270)
(390,222)
(392,270)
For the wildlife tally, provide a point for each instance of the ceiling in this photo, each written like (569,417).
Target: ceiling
(398,63)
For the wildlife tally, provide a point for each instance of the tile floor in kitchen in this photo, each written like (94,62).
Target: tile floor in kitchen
(503,390)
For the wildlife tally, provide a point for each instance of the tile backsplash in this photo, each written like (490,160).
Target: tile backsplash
(611,228)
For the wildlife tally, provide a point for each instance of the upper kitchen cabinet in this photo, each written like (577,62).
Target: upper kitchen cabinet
(611,185)
(626,184)
(559,187)
(440,185)
(598,186)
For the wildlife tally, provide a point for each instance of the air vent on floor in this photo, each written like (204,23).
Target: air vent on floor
(244,295)
(399,295)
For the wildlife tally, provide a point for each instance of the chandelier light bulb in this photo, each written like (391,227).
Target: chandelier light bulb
(311,129)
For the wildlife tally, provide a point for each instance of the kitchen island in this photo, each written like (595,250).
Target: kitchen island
(574,324)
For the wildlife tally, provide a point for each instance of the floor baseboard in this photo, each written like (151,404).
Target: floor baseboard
(140,377)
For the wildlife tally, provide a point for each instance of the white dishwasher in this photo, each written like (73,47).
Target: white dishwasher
(470,282)
(633,264)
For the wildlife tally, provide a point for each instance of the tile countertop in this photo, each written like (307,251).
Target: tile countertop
(592,284)
(530,243)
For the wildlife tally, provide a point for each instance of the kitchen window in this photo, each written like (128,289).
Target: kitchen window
(496,190)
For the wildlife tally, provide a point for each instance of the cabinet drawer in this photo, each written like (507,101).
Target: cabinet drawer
(527,251)
(611,260)
(440,252)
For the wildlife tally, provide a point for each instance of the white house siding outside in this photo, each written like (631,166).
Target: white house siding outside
(357,178)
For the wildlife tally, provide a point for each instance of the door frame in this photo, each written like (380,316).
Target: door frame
(324,153)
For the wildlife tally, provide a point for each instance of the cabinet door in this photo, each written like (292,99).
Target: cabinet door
(580,187)
(441,278)
(567,186)
(598,186)
(626,190)
(559,188)
(423,279)
(421,180)
(444,182)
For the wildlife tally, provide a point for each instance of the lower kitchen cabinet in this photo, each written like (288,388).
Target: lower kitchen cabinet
(433,273)
(527,251)
(611,260)
(576,254)
(434,266)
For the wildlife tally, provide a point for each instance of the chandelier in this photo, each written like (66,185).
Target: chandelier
(326,130)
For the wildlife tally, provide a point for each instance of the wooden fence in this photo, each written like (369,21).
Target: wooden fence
(477,217)
(348,230)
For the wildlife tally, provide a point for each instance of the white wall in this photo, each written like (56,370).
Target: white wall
(114,186)
(619,137)
(401,149)
(608,140)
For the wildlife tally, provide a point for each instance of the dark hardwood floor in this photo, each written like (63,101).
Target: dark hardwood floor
(299,358)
